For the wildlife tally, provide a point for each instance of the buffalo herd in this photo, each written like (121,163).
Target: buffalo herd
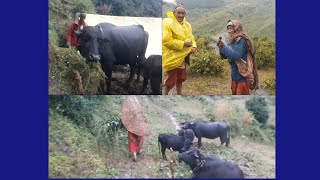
(202,166)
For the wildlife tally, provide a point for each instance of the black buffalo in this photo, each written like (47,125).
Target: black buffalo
(176,142)
(209,166)
(114,45)
(152,69)
(209,130)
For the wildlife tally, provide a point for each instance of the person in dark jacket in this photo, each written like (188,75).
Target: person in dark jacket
(237,48)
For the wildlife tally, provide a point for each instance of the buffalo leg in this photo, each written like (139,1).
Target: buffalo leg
(199,142)
(228,139)
(223,140)
(145,83)
(163,151)
(138,73)
(155,85)
(132,67)
(107,68)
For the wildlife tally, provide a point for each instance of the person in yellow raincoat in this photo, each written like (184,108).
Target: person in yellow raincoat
(177,45)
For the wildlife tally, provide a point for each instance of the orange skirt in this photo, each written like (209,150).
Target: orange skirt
(135,142)
(177,75)
(240,88)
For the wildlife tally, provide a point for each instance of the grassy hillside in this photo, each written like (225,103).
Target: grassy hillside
(209,18)
(86,138)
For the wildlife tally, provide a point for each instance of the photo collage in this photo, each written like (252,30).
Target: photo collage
(162,89)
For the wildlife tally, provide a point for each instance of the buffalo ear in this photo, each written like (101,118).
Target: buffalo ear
(100,29)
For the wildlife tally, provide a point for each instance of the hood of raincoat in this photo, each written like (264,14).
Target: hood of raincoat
(174,34)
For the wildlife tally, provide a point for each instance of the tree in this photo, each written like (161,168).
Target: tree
(258,107)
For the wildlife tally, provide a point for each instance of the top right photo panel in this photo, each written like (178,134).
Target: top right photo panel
(218,47)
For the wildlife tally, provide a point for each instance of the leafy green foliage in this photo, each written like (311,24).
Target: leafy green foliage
(138,8)
(265,52)
(73,151)
(63,62)
(206,61)
(258,106)
(91,112)
(86,6)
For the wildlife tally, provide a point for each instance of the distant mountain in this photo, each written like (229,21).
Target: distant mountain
(209,18)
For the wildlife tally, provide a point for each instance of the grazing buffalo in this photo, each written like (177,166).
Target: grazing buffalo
(209,130)
(176,142)
(114,45)
(209,166)
(152,69)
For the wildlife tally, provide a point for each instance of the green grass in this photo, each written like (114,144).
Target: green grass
(204,84)
(73,151)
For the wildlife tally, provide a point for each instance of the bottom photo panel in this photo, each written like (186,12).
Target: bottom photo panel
(162,136)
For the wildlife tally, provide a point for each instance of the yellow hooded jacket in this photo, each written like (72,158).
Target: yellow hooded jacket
(174,34)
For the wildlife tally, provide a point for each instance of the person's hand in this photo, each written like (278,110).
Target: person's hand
(187,44)
(68,45)
(193,50)
(219,43)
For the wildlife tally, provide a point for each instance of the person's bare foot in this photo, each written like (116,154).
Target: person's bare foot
(134,159)
(140,152)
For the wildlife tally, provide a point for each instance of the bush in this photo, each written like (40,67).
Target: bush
(270,84)
(63,62)
(99,114)
(86,6)
(258,107)
(205,60)
(265,52)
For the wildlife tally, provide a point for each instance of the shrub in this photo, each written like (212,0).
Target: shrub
(99,114)
(205,60)
(258,107)
(63,62)
(270,84)
(86,6)
(265,52)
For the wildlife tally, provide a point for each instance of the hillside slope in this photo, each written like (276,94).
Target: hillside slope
(208,18)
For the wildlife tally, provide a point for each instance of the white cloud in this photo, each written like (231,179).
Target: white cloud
(170,1)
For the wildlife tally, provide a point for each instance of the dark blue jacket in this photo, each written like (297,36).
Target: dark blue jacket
(235,51)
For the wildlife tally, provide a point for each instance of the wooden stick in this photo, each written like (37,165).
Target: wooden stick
(171,168)
(78,82)
(173,156)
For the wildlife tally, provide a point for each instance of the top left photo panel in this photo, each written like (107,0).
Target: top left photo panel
(99,47)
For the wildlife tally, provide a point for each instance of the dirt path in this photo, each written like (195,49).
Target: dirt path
(166,113)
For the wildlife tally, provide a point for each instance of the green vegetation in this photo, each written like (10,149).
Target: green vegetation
(265,52)
(74,151)
(63,63)
(258,106)
(138,8)
(86,138)
(206,61)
